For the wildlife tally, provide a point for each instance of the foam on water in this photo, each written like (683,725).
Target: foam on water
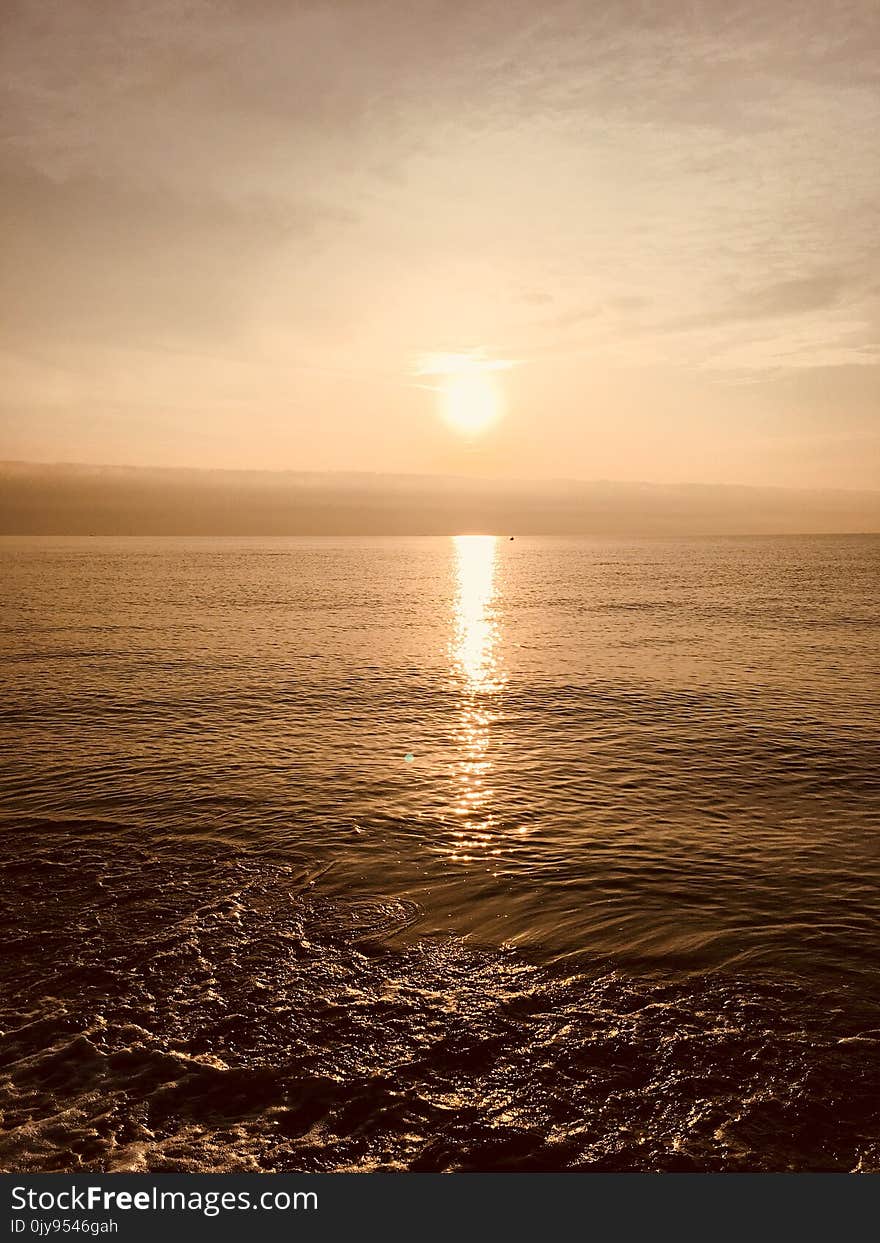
(198,1007)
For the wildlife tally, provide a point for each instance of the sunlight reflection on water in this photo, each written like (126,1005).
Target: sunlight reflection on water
(479,676)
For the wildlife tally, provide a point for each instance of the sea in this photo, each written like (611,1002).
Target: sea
(481,852)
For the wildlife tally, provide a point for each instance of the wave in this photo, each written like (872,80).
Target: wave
(185,1004)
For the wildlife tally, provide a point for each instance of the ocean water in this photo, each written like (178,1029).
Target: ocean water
(440,854)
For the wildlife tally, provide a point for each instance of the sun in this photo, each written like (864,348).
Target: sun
(470,402)
(469,394)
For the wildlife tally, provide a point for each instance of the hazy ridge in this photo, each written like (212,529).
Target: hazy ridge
(64,499)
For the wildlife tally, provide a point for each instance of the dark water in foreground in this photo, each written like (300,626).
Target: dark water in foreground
(440,854)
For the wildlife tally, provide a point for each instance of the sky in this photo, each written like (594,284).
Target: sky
(630,241)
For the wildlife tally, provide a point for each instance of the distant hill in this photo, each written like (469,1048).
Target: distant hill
(63,499)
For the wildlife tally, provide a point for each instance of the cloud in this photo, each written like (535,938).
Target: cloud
(456,363)
(797,296)
(790,297)
(329,187)
(102,260)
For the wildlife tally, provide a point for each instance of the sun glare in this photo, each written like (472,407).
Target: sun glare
(470,402)
(470,397)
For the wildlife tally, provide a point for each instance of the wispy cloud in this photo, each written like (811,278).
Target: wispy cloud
(457,362)
(313,191)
